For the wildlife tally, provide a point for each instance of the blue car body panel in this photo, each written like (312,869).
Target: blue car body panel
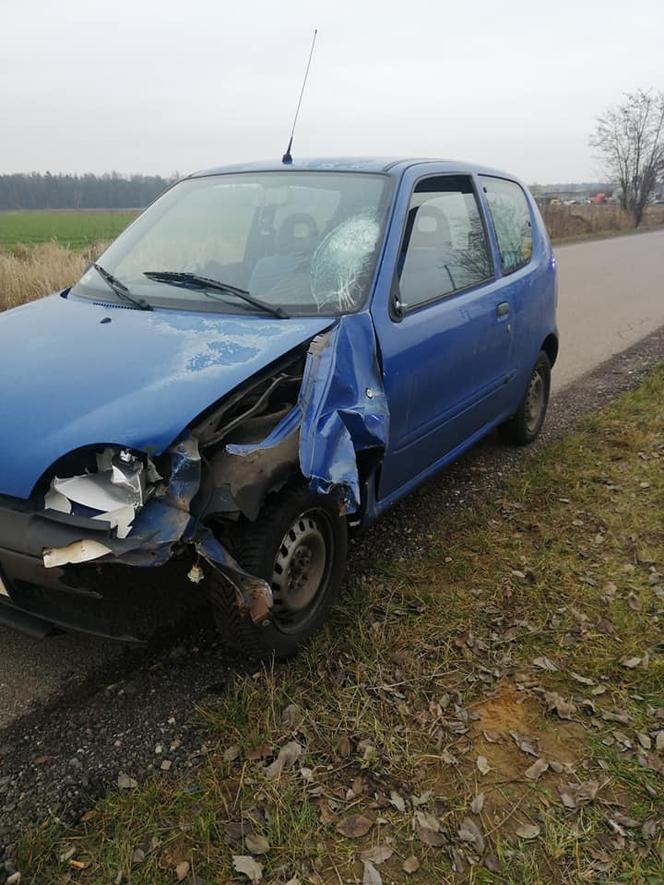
(453,369)
(69,380)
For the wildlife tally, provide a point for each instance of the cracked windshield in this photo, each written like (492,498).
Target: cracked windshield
(290,243)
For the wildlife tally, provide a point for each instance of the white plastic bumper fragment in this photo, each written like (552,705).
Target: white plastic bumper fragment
(79,551)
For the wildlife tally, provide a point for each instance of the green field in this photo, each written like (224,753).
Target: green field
(72,229)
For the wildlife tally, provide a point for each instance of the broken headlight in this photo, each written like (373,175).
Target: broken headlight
(113,493)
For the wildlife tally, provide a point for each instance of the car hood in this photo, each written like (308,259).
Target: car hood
(75,373)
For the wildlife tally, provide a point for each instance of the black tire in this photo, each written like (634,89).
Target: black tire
(525,425)
(312,522)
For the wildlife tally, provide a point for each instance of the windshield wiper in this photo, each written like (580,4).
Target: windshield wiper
(120,289)
(183,278)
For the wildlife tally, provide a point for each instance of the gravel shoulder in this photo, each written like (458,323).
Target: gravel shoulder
(57,759)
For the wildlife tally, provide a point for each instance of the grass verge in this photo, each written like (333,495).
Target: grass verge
(491,711)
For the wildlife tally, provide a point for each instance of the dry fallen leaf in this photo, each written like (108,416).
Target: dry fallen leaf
(491,862)
(125,782)
(371,875)
(397,801)
(649,828)
(564,709)
(232,753)
(644,740)
(470,832)
(378,854)
(410,865)
(573,795)
(354,826)
(523,744)
(544,663)
(248,866)
(477,804)
(537,769)
(584,680)
(483,764)
(260,751)
(491,736)
(528,831)
(288,754)
(257,844)
(182,870)
(631,663)
(292,716)
(427,829)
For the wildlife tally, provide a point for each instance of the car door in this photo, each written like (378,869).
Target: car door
(446,348)
(524,272)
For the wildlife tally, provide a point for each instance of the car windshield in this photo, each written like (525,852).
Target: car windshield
(287,243)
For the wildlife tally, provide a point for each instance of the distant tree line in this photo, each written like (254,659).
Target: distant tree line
(109,191)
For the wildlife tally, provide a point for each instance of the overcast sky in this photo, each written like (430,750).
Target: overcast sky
(155,87)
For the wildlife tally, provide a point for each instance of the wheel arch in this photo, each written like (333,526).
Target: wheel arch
(550,347)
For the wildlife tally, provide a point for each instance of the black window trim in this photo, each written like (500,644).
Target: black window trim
(503,272)
(395,289)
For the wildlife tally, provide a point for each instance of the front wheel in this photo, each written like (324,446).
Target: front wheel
(524,426)
(299,546)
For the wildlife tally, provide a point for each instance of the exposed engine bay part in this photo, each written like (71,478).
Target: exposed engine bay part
(341,411)
(114,493)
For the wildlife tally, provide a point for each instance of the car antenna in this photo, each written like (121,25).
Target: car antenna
(287,158)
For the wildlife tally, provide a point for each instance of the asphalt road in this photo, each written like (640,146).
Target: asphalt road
(611,296)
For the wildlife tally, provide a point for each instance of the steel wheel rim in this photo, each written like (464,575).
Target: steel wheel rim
(301,570)
(535,401)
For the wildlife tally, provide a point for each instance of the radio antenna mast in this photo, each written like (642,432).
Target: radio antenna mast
(287,157)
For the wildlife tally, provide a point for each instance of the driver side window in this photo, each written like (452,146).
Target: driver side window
(444,248)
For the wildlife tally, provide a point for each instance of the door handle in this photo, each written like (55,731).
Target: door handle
(503,309)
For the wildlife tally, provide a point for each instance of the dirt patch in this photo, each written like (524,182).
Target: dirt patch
(511,732)
(510,720)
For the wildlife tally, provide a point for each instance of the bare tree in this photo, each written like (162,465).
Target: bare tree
(629,140)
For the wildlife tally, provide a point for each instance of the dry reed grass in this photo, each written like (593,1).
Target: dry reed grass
(564,222)
(29,272)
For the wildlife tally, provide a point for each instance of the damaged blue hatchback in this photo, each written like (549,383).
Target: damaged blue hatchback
(265,360)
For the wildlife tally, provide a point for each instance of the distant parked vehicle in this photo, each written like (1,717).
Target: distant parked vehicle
(267,359)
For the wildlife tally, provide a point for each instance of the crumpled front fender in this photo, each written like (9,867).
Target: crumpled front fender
(341,410)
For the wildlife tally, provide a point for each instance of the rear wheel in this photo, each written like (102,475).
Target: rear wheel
(299,546)
(524,426)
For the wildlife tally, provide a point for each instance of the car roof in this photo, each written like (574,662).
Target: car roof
(394,166)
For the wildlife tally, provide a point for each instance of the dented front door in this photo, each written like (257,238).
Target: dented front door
(446,347)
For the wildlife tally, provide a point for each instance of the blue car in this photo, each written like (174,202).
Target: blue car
(322,337)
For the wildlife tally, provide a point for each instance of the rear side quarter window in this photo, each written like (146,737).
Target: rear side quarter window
(510,213)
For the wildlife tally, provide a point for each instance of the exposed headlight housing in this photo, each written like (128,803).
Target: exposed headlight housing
(114,493)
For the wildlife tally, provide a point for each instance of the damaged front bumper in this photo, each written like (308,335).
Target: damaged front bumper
(42,550)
